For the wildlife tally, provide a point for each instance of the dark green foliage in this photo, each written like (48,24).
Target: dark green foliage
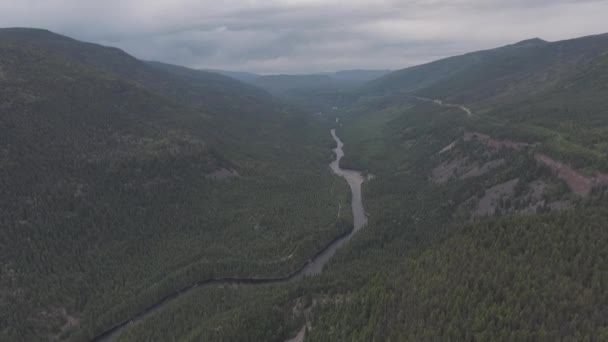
(552,94)
(107,201)
(532,278)
(106,204)
(240,314)
(422,269)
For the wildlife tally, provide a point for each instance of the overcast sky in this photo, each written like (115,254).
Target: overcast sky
(298,36)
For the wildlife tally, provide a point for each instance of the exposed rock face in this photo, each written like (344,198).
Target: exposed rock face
(445,171)
(222,174)
(448,148)
(490,201)
(577,182)
(478,171)
(463,168)
(494,143)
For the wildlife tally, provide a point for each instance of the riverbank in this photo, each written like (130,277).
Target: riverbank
(312,267)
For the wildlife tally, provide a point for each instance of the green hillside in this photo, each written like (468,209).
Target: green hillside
(123,181)
(513,69)
(551,94)
(470,236)
(505,247)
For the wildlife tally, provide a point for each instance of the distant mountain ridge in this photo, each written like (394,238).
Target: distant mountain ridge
(358,75)
(525,67)
(237,75)
(532,41)
(318,92)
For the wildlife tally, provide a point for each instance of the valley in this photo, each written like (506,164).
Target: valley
(110,195)
(462,199)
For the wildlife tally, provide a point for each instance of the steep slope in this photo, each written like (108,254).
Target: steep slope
(521,68)
(211,92)
(116,190)
(511,245)
(539,278)
(487,242)
(237,75)
(547,94)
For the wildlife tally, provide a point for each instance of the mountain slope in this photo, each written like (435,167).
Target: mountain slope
(210,92)
(531,91)
(511,248)
(246,77)
(481,75)
(117,189)
(485,242)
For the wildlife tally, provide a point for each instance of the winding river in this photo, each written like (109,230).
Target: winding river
(312,267)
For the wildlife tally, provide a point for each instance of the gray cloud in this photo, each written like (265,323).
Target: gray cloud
(296,36)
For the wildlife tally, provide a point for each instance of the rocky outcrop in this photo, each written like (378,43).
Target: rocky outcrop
(495,143)
(577,182)
(222,174)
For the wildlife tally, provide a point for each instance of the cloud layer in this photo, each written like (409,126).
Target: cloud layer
(298,36)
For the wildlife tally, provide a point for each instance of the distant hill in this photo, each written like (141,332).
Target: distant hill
(303,88)
(237,75)
(526,67)
(319,92)
(525,89)
(283,84)
(358,75)
(207,91)
(532,41)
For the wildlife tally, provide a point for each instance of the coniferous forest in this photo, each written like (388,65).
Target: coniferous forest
(123,181)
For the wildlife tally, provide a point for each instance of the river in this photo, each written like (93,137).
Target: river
(312,267)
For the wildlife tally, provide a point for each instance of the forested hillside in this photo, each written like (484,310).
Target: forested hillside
(212,92)
(122,181)
(537,92)
(503,151)
(487,215)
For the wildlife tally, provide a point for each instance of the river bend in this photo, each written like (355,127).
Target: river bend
(312,267)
